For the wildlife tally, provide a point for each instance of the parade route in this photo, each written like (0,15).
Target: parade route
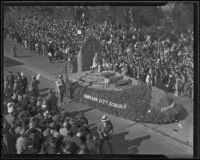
(129,137)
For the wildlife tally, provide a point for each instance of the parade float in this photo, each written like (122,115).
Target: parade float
(125,97)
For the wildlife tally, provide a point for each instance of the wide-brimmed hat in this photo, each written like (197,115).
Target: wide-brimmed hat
(60,76)
(104,118)
(10,104)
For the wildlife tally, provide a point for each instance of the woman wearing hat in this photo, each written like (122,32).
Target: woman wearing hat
(105,130)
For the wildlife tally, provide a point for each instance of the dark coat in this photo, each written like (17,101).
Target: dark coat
(92,147)
(10,80)
(52,101)
(76,140)
(24,82)
(24,103)
(105,129)
(74,129)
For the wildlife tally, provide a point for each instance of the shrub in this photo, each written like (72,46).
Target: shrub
(123,82)
(108,74)
(115,78)
(137,99)
(170,116)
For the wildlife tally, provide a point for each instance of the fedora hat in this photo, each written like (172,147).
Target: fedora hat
(104,118)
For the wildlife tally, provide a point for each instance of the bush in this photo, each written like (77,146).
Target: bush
(176,113)
(159,99)
(136,98)
(123,82)
(114,79)
(108,74)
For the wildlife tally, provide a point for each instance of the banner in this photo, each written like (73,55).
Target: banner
(103,101)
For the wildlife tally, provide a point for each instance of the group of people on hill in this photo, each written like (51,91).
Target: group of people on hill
(164,61)
(33,124)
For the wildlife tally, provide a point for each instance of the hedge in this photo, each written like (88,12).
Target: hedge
(108,74)
(137,99)
(115,78)
(123,82)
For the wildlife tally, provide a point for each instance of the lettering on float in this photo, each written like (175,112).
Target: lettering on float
(164,109)
(103,101)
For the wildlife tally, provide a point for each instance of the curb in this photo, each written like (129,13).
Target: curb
(167,135)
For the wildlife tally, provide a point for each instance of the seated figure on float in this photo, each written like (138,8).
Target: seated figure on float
(95,63)
(124,70)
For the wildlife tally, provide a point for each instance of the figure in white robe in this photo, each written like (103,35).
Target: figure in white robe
(95,63)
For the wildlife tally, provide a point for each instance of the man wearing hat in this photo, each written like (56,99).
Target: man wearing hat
(105,130)
(60,87)
(7,91)
(34,85)
(16,86)
(52,100)
(21,142)
(91,144)
(82,120)
(10,80)
(74,127)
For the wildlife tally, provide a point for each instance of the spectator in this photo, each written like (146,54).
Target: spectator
(105,130)
(34,85)
(24,83)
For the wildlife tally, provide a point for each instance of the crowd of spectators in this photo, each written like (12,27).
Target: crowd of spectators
(162,61)
(34,125)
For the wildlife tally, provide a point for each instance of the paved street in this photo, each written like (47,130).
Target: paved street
(129,137)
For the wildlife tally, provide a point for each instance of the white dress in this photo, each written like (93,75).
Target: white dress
(94,64)
(148,79)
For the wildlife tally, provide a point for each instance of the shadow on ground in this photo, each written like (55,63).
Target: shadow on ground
(74,113)
(120,144)
(8,62)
